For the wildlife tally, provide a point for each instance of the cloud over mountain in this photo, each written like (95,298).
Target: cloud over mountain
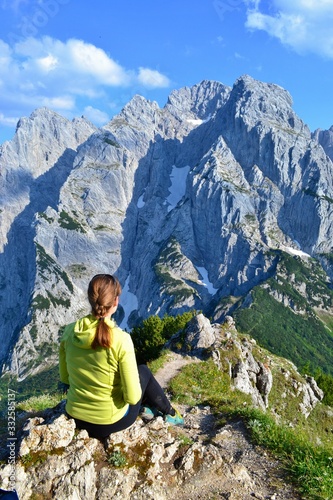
(306,27)
(48,72)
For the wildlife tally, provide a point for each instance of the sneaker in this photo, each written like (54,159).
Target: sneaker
(148,413)
(175,419)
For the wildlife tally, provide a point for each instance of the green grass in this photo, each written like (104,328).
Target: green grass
(309,464)
(203,383)
(40,403)
(45,382)
(158,363)
(301,331)
(300,338)
(67,222)
(117,459)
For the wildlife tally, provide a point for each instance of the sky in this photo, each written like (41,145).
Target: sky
(89,58)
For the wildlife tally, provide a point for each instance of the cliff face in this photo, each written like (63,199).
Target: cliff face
(183,203)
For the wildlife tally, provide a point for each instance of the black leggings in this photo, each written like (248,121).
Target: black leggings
(152,395)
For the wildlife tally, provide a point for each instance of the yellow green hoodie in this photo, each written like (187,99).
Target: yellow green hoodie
(102,382)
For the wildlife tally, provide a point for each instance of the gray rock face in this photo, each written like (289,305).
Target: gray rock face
(199,334)
(325,139)
(33,166)
(182,203)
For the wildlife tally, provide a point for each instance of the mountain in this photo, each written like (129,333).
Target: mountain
(193,206)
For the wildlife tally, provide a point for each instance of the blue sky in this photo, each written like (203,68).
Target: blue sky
(90,58)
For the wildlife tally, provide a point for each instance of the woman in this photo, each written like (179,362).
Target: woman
(97,361)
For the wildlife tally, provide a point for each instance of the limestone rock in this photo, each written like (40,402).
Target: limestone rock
(155,460)
(199,334)
(157,463)
(311,395)
(57,434)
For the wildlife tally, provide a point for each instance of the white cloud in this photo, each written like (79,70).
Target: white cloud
(68,77)
(58,102)
(48,63)
(9,122)
(303,25)
(96,116)
(151,78)
(90,60)
(74,58)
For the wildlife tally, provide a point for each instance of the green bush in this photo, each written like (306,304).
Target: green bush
(150,337)
(117,459)
(325,382)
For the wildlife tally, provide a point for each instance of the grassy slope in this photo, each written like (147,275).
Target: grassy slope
(302,333)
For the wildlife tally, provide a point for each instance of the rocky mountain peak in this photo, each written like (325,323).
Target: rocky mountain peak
(198,102)
(264,106)
(325,139)
(189,205)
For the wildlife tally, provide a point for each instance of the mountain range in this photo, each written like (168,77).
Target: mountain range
(221,201)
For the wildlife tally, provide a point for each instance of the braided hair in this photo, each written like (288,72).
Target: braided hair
(103,291)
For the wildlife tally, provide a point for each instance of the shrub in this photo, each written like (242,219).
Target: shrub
(325,382)
(117,459)
(150,337)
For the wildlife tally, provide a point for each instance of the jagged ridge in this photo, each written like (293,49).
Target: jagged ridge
(184,203)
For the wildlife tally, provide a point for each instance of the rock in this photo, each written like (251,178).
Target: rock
(57,434)
(319,394)
(312,395)
(203,459)
(251,376)
(199,334)
(264,381)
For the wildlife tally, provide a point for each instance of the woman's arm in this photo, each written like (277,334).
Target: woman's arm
(129,375)
(62,364)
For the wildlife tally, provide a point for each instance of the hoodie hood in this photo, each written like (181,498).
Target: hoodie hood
(85,330)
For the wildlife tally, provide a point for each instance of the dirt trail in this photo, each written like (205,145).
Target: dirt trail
(172,367)
(248,471)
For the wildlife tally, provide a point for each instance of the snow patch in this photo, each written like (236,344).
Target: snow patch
(129,303)
(197,122)
(293,251)
(177,189)
(141,203)
(206,282)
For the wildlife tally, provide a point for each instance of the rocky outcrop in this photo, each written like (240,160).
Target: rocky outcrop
(250,371)
(205,458)
(325,139)
(148,460)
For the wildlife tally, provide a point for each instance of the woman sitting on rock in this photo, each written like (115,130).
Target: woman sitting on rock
(97,361)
